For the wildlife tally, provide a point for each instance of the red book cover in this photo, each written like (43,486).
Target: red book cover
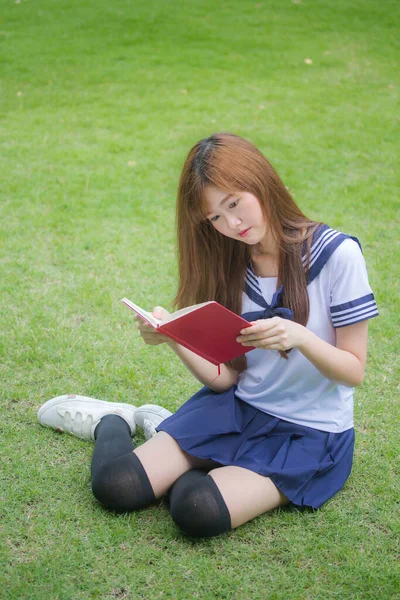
(210,330)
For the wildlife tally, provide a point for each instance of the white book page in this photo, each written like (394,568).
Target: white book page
(157,322)
(182,312)
(142,313)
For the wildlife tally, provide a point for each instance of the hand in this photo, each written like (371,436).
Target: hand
(273,334)
(149,334)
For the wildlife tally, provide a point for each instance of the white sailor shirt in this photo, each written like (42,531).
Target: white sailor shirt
(340,295)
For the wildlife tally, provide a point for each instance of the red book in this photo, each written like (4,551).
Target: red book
(209,330)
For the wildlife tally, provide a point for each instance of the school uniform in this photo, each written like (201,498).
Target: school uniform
(284,419)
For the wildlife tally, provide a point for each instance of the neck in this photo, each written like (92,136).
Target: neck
(266,248)
(265,258)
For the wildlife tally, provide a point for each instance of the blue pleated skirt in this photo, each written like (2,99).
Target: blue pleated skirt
(309,466)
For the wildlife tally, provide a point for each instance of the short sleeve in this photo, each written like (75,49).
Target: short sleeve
(351,298)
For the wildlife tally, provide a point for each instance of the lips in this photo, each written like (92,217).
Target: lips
(244,232)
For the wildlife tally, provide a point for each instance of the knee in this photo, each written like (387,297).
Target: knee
(121,485)
(197,506)
(109,487)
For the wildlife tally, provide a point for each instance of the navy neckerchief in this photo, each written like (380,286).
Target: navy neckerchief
(270,310)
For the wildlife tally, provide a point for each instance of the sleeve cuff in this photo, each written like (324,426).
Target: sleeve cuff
(352,312)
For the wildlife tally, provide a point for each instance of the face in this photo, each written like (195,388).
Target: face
(238,216)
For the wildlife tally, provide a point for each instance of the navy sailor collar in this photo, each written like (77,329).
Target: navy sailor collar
(323,244)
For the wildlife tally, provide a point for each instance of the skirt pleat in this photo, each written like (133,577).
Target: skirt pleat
(309,466)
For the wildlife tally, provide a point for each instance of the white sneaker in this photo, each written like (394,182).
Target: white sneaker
(149,416)
(79,415)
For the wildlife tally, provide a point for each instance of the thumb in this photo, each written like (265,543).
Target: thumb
(160,313)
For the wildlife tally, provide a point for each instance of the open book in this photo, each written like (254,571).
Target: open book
(208,329)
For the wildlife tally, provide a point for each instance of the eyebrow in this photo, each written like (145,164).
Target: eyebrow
(222,201)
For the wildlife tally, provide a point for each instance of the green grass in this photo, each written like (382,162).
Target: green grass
(99,104)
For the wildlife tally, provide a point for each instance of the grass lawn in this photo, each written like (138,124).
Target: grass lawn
(99,104)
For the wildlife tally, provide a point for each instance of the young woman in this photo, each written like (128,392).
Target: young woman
(276,426)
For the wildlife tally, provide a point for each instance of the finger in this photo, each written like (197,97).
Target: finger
(152,341)
(150,334)
(148,331)
(273,343)
(278,347)
(142,324)
(146,326)
(160,313)
(258,335)
(145,331)
(250,330)
(266,343)
(257,330)
(153,338)
(261,325)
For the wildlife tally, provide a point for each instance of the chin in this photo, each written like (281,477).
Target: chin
(255,241)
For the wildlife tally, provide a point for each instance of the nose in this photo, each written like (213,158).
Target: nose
(233,222)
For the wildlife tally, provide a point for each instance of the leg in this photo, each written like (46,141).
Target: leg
(124,480)
(164,461)
(246,494)
(118,478)
(112,440)
(209,504)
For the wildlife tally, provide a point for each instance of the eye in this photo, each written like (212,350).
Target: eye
(234,203)
(214,218)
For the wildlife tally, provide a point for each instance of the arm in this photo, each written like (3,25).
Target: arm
(202,369)
(343,363)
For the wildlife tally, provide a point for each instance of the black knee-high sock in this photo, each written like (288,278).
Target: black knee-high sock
(197,505)
(119,480)
(113,439)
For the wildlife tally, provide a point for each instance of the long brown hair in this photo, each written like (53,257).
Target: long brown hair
(212,266)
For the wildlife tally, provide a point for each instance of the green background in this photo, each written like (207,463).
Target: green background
(99,105)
